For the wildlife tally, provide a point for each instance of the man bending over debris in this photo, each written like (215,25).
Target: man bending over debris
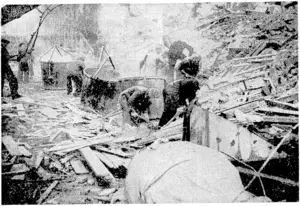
(175,96)
(196,174)
(135,103)
(75,73)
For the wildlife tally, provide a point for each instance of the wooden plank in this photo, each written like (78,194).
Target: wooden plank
(81,113)
(280,119)
(250,70)
(260,60)
(55,135)
(24,151)
(271,177)
(78,166)
(277,111)
(49,112)
(106,160)
(82,143)
(66,158)
(47,192)
(17,169)
(118,161)
(38,158)
(244,107)
(19,172)
(288,98)
(114,152)
(281,105)
(21,110)
(253,57)
(96,165)
(11,146)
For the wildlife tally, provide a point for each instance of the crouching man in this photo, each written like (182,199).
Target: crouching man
(75,75)
(135,103)
(141,105)
(196,174)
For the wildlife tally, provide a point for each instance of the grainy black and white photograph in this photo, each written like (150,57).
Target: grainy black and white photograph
(155,102)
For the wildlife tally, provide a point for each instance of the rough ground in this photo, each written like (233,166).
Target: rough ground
(35,129)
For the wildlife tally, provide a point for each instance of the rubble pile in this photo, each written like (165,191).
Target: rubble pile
(67,146)
(259,90)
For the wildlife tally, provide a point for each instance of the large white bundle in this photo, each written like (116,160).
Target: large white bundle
(182,172)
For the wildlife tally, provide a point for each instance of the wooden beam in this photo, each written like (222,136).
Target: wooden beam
(288,98)
(281,105)
(21,110)
(47,192)
(96,165)
(11,146)
(280,119)
(105,160)
(105,138)
(277,111)
(253,57)
(78,166)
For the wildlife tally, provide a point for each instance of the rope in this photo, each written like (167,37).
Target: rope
(268,159)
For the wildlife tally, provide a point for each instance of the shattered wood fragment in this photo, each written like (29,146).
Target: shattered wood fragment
(253,57)
(105,138)
(250,70)
(281,105)
(78,166)
(106,160)
(107,192)
(260,60)
(96,165)
(114,152)
(19,172)
(18,177)
(49,112)
(25,145)
(288,98)
(118,161)
(80,112)
(277,111)
(21,110)
(57,165)
(244,107)
(38,158)
(24,151)
(280,119)
(47,192)
(11,146)
(271,177)
(56,135)
(66,158)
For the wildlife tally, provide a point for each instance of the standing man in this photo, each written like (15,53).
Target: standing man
(24,61)
(6,72)
(153,63)
(179,50)
(75,73)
